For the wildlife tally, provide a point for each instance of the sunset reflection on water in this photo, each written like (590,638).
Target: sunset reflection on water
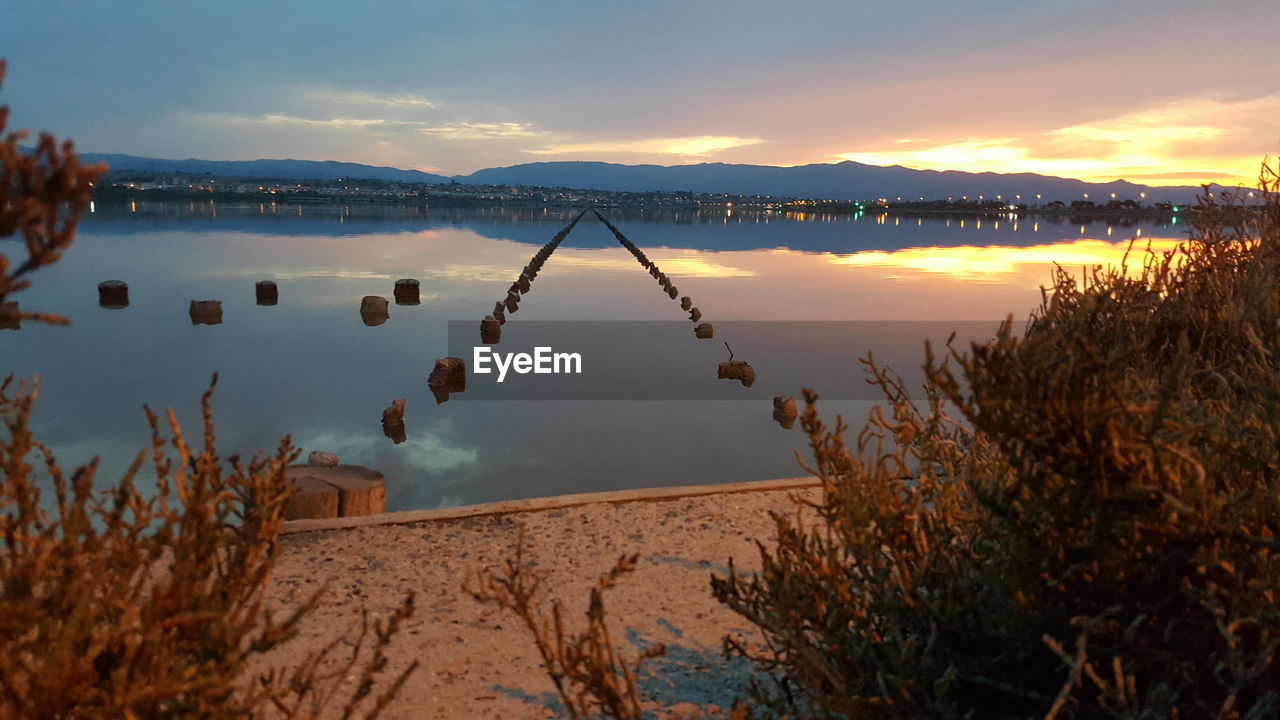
(995,263)
(310,367)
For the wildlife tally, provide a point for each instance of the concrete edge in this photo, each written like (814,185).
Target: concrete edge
(555,502)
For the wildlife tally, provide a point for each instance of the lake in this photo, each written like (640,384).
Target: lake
(800,297)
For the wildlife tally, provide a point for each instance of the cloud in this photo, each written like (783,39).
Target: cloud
(481,131)
(446,131)
(358,97)
(1183,142)
(282,120)
(687,146)
(428,450)
(995,155)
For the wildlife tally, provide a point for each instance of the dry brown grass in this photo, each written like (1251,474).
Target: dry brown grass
(42,196)
(1097,539)
(144,603)
(591,677)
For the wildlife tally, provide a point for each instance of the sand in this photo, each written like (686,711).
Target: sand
(480,662)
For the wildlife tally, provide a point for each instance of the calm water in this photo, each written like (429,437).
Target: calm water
(311,368)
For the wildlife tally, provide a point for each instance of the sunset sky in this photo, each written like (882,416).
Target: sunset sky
(1159,93)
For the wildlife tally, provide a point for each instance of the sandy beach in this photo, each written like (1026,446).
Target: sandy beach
(480,662)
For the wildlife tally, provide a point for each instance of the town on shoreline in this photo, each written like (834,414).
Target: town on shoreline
(151,186)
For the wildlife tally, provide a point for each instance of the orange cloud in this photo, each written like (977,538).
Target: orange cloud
(1187,142)
(696,146)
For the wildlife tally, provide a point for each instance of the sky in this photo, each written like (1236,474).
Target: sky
(1159,93)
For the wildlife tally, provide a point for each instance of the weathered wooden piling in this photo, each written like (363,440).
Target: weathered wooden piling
(9,319)
(206,312)
(448,376)
(373,310)
(736,370)
(266,292)
(113,294)
(333,492)
(406,292)
(394,411)
(393,421)
(490,330)
(704,331)
(784,411)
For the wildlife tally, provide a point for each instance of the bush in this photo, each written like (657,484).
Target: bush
(144,604)
(1097,539)
(591,676)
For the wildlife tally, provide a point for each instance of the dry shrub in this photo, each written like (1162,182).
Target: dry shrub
(1098,539)
(591,677)
(144,603)
(150,604)
(42,196)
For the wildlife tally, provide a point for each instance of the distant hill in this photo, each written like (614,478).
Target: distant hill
(839,181)
(836,181)
(285,169)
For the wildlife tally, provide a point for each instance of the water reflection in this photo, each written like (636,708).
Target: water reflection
(311,368)
(993,264)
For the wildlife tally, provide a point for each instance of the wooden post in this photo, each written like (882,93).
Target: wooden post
(267,293)
(206,312)
(113,295)
(329,492)
(373,310)
(312,498)
(9,316)
(406,292)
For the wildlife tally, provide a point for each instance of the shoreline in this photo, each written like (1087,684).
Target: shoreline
(480,662)
(542,504)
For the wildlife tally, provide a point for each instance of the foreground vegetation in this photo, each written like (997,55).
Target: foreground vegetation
(1097,535)
(1093,534)
(1097,538)
(145,603)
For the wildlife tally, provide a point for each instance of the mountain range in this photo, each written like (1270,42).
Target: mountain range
(829,181)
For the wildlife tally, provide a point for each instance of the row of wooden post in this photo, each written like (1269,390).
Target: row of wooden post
(491,325)
(114,295)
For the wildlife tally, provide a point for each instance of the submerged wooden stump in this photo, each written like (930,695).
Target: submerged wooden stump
(266,293)
(448,376)
(113,295)
(739,370)
(331,492)
(373,310)
(206,312)
(407,292)
(9,316)
(490,330)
